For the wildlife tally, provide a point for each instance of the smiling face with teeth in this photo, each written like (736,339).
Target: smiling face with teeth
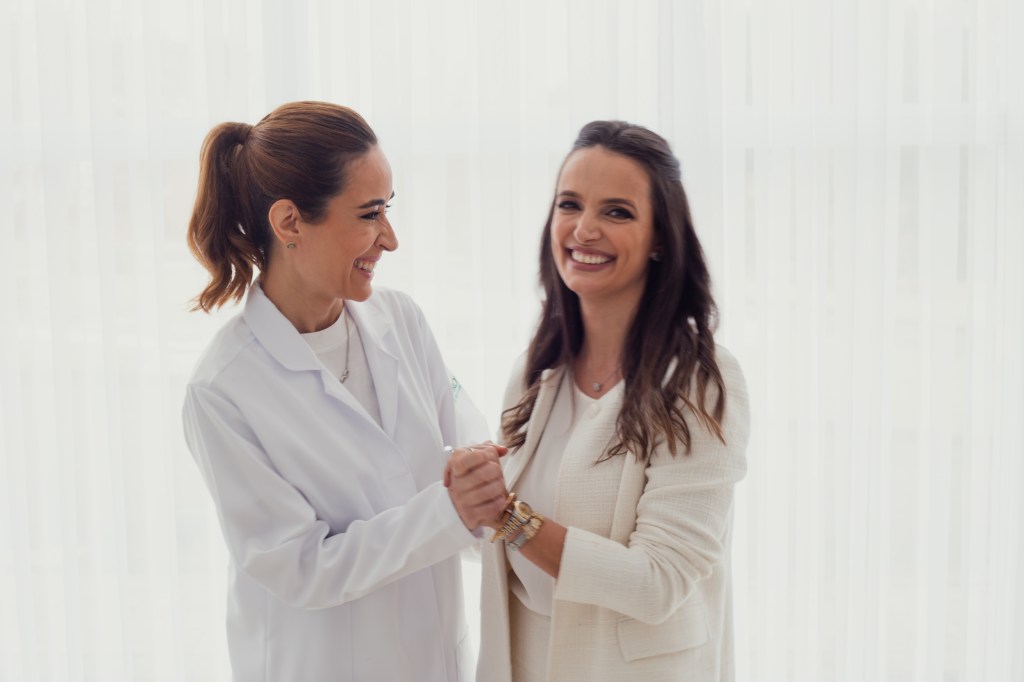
(336,256)
(602,226)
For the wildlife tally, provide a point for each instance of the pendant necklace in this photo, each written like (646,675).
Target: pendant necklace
(596,386)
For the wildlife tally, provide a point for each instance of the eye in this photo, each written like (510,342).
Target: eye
(568,205)
(373,215)
(621,213)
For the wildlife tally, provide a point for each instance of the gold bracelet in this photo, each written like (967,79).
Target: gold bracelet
(505,517)
(510,526)
(529,532)
(515,521)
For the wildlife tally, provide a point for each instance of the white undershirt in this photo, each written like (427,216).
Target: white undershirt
(330,344)
(538,483)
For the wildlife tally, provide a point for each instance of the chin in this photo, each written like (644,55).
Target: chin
(359,294)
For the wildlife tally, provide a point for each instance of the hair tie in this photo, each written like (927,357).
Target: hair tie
(243,135)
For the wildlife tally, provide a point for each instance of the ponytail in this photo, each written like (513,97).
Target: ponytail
(217,233)
(300,152)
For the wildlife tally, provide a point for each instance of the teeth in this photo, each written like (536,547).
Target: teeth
(589,259)
(367,265)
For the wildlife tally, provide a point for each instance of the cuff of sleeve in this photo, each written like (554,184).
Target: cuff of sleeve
(581,555)
(448,519)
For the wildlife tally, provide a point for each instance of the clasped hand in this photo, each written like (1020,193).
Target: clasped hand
(475,482)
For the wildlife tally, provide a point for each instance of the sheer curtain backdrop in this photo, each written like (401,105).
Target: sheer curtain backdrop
(856,170)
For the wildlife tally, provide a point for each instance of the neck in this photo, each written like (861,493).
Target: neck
(306,310)
(606,324)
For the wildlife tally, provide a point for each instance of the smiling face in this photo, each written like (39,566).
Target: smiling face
(336,256)
(602,226)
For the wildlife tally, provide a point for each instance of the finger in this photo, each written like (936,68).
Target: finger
(485,514)
(480,495)
(465,460)
(502,450)
(489,449)
(486,473)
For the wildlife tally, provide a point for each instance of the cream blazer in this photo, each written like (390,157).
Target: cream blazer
(644,587)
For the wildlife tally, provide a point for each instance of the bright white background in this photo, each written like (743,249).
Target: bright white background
(856,170)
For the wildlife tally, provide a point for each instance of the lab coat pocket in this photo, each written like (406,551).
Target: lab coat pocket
(685,629)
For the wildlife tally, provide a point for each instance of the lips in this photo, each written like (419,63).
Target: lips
(366,265)
(589,257)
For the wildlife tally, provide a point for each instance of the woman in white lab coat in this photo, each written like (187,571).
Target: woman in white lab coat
(318,416)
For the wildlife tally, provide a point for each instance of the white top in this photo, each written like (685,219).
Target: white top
(343,543)
(333,345)
(531,585)
(643,590)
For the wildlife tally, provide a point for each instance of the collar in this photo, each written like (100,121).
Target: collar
(276,333)
(282,340)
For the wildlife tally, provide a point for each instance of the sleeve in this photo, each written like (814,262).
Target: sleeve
(683,514)
(274,536)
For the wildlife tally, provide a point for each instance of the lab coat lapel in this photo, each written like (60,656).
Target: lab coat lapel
(382,357)
(276,334)
(283,342)
(550,384)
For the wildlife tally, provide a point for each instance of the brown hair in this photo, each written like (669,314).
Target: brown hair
(671,339)
(299,151)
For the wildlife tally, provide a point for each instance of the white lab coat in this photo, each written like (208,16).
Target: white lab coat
(344,546)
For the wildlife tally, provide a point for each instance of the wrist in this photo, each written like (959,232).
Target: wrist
(518,525)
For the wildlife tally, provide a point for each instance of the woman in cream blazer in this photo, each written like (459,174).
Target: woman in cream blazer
(627,428)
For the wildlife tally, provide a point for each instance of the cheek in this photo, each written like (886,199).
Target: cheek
(560,232)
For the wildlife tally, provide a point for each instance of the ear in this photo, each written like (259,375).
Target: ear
(284,220)
(656,251)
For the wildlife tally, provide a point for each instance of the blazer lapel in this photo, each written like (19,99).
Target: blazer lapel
(550,384)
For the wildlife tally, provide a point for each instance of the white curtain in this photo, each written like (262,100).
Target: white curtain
(856,171)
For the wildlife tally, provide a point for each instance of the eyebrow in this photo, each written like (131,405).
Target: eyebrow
(377,202)
(612,200)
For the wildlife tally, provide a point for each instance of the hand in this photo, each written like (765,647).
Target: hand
(475,483)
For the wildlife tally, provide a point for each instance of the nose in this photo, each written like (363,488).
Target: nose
(387,239)
(586,229)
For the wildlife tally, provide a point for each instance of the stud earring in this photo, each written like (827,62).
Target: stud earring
(290,245)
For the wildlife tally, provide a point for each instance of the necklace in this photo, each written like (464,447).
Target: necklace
(348,345)
(597,386)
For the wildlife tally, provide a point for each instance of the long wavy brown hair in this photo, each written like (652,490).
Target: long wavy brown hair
(669,358)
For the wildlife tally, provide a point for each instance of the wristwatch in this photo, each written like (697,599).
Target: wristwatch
(519,524)
(528,532)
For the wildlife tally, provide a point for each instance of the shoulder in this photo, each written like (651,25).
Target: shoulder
(516,386)
(732,373)
(229,343)
(737,399)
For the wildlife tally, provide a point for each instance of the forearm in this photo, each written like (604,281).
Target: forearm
(312,571)
(545,549)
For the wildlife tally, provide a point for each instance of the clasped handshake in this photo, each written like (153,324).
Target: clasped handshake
(475,482)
